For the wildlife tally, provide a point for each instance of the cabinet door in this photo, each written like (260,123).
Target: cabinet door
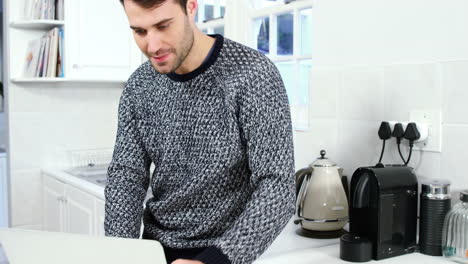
(53,197)
(3,193)
(79,211)
(99,219)
(98,41)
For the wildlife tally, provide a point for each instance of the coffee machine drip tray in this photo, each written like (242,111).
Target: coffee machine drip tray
(320,234)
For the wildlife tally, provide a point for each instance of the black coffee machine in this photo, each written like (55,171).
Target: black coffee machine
(383,212)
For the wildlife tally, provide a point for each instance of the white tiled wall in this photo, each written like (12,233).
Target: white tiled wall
(46,121)
(378,60)
(367,97)
(455,94)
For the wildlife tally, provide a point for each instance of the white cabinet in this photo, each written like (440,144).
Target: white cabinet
(3,192)
(98,44)
(69,209)
(79,211)
(99,206)
(53,193)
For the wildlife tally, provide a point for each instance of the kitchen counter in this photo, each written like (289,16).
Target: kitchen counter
(289,241)
(26,246)
(86,186)
(288,247)
(330,255)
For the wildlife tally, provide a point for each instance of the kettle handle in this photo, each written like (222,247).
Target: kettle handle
(300,174)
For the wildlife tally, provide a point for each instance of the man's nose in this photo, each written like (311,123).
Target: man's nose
(154,43)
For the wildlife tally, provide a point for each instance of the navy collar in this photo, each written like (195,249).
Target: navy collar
(210,60)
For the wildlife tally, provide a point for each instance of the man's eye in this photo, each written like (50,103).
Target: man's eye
(162,27)
(139,31)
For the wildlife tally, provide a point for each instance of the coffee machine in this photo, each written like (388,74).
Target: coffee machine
(383,213)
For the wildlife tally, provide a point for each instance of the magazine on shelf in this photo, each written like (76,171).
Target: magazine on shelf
(43,9)
(40,67)
(60,71)
(45,59)
(53,51)
(32,58)
(59,10)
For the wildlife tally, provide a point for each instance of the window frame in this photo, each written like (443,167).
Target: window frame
(272,12)
(216,22)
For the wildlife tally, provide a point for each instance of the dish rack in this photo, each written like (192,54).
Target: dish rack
(90,157)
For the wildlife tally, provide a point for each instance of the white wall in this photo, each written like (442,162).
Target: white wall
(378,60)
(368,54)
(46,121)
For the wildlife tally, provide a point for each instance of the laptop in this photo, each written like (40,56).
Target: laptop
(28,246)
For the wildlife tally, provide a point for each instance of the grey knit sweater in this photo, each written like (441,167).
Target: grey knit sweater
(221,141)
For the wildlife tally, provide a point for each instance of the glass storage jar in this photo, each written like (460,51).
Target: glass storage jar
(455,232)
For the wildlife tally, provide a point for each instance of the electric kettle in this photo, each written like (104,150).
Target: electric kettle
(321,203)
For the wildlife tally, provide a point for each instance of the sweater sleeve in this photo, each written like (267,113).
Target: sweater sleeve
(128,174)
(264,117)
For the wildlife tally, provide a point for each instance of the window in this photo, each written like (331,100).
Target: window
(210,16)
(284,33)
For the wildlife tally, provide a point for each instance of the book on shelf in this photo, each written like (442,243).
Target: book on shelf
(40,66)
(43,9)
(44,56)
(53,51)
(32,58)
(60,70)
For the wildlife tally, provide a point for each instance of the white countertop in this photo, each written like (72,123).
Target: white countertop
(286,242)
(288,247)
(330,254)
(86,186)
(289,241)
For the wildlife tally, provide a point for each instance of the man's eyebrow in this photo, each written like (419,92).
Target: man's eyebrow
(155,25)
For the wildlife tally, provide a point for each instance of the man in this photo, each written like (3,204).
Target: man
(213,117)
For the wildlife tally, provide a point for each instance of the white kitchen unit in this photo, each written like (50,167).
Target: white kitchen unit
(4,215)
(70,209)
(96,48)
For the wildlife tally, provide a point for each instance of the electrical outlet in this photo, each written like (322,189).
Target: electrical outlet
(433,119)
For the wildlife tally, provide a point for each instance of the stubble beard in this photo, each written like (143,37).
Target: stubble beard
(186,47)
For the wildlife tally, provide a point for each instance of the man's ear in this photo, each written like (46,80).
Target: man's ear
(192,6)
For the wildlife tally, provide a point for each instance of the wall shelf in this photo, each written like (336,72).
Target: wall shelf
(67,80)
(37,24)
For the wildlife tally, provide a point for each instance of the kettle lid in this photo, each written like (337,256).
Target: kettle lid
(322,161)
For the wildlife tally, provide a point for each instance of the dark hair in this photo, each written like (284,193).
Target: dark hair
(155,3)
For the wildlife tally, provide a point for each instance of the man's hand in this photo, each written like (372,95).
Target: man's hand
(186,261)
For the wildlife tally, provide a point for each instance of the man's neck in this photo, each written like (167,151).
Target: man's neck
(201,47)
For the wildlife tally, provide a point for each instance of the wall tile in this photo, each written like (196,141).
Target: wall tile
(426,164)
(25,141)
(361,94)
(358,144)
(81,98)
(324,84)
(411,87)
(27,99)
(455,84)
(75,131)
(26,197)
(453,157)
(307,145)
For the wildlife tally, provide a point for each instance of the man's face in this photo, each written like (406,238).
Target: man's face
(163,34)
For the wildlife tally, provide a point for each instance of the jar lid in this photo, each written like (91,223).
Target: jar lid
(322,161)
(464,196)
(435,187)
